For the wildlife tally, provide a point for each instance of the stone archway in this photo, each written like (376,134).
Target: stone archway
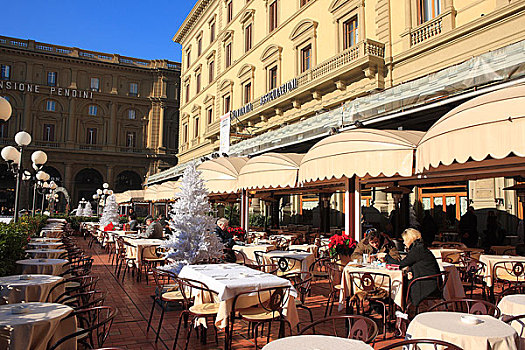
(127,180)
(86,183)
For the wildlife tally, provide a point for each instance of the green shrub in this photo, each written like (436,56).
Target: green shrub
(257,220)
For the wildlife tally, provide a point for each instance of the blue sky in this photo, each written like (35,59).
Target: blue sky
(141,29)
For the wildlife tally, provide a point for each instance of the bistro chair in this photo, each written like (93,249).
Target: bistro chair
(208,308)
(372,288)
(302,282)
(270,303)
(472,272)
(335,274)
(469,306)
(507,273)
(441,280)
(93,326)
(356,327)
(518,323)
(287,265)
(167,291)
(152,257)
(518,288)
(404,344)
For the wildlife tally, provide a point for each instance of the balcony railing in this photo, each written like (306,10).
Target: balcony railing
(426,31)
(48,144)
(90,148)
(131,150)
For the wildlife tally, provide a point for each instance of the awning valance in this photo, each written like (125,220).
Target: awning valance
(129,196)
(150,193)
(220,175)
(361,152)
(270,170)
(167,190)
(489,125)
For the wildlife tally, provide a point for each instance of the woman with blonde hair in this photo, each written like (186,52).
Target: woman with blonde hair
(419,262)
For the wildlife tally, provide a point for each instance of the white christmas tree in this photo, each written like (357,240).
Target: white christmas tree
(110,213)
(193,238)
(80,210)
(87,210)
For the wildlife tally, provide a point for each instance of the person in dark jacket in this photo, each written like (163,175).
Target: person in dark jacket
(221,230)
(429,229)
(468,228)
(420,262)
(375,242)
(153,230)
(133,223)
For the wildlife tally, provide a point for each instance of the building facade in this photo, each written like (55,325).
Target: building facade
(99,117)
(290,72)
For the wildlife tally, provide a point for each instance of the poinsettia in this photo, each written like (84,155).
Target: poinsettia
(341,244)
(237,232)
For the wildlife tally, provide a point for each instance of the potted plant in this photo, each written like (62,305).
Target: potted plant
(342,246)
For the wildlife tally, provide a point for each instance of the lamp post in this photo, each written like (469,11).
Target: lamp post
(101,195)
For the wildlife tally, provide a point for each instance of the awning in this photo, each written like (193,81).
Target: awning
(489,125)
(270,170)
(167,190)
(129,196)
(150,193)
(361,152)
(220,174)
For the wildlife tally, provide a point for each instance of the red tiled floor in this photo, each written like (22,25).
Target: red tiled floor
(133,302)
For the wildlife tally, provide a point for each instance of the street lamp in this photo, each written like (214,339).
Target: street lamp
(5,109)
(101,195)
(13,157)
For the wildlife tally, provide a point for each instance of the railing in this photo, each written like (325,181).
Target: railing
(131,150)
(426,30)
(90,148)
(86,54)
(48,144)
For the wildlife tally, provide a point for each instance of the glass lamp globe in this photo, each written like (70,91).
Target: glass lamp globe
(52,185)
(22,138)
(41,175)
(110,192)
(105,191)
(9,153)
(99,191)
(17,159)
(45,185)
(105,185)
(5,109)
(39,158)
(95,196)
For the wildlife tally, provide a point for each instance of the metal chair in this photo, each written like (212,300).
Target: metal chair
(335,272)
(507,273)
(469,306)
(443,345)
(302,282)
(346,326)
(441,280)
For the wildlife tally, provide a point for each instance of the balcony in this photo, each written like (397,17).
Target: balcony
(130,150)
(47,144)
(426,31)
(87,147)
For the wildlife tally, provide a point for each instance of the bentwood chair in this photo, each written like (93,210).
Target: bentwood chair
(469,306)
(345,326)
(437,344)
(440,279)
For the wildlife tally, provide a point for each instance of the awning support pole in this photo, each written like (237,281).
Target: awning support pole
(353,207)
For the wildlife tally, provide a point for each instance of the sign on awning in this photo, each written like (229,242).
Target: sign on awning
(224,146)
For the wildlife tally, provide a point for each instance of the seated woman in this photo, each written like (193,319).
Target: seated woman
(375,243)
(420,262)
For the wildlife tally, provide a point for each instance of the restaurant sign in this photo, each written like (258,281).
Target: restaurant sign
(224,145)
(51,90)
(279,91)
(247,108)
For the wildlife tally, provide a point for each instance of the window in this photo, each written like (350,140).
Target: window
(187,92)
(196,129)
(91,136)
(132,114)
(49,132)
(52,78)
(304,2)
(6,72)
(350,36)
(247,93)
(95,82)
(209,114)
(228,50)
(198,82)
(227,104)
(306,58)
(229,11)
(212,31)
(273,15)
(272,78)
(211,71)
(50,105)
(248,38)
(3,130)
(427,10)
(185,133)
(92,110)
(133,89)
(199,46)
(131,136)
(188,58)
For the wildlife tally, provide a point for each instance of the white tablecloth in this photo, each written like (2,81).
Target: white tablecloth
(45,253)
(137,246)
(42,266)
(491,334)
(39,327)
(229,280)
(306,258)
(36,289)
(514,305)
(250,249)
(44,240)
(40,245)
(316,342)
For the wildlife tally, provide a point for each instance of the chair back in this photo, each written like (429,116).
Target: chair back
(301,281)
(441,280)
(469,306)
(370,281)
(335,272)
(286,264)
(345,326)
(509,271)
(517,322)
(271,300)
(404,344)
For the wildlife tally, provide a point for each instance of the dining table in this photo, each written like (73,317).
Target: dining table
(36,326)
(229,280)
(29,288)
(489,334)
(39,245)
(283,258)
(42,266)
(44,240)
(316,342)
(249,250)
(514,305)
(45,253)
(140,248)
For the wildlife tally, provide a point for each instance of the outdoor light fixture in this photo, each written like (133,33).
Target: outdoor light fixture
(105,185)
(39,158)
(5,109)
(22,138)
(358,124)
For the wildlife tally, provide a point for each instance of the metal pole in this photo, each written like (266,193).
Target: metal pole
(43,198)
(34,199)
(18,185)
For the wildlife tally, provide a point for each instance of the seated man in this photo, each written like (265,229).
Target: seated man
(133,223)
(153,230)
(221,230)
(375,242)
